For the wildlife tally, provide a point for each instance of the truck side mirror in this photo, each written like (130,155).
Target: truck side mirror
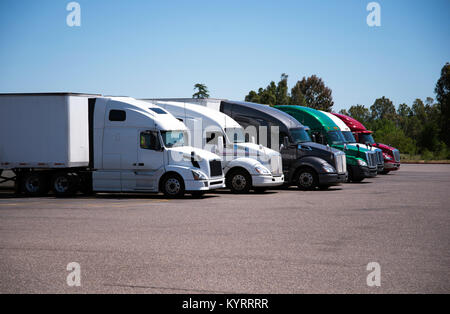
(220,144)
(313,137)
(253,140)
(286,141)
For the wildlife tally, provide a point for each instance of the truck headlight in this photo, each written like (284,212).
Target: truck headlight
(262,170)
(328,168)
(362,163)
(198,175)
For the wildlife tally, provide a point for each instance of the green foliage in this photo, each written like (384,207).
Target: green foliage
(360,113)
(388,133)
(383,108)
(310,92)
(316,94)
(202,91)
(443,97)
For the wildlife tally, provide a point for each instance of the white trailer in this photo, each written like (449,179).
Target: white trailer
(69,142)
(246,165)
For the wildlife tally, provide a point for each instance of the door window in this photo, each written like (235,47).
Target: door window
(149,140)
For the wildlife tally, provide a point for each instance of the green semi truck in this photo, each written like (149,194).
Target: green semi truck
(361,162)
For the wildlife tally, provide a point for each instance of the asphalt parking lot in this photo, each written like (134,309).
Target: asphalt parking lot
(285,241)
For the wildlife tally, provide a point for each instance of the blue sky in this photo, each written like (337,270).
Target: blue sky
(162,48)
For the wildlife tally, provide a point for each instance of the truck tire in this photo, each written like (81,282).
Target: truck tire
(65,184)
(239,181)
(34,184)
(306,179)
(173,186)
(384,172)
(352,178)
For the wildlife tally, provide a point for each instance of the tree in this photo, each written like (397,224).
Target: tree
(383,108)
(281,93)
(253,97)
(442,91)
(297,97)
(344,112)
(360,113)
(316,94)
(202,91)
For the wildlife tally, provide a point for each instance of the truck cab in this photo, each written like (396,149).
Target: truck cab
(306,164)
(361,163)
(350,140)
(391,155)
(246,165)
(142,147)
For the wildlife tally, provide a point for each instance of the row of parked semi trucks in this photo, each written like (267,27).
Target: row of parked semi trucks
(69,143)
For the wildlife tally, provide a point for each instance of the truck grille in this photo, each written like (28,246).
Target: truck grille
(276,166)
(396,154)
(380,159)
(371,159)
(341,163)
(215,168)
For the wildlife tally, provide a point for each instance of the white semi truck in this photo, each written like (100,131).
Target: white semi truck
(246,165)
(69,142)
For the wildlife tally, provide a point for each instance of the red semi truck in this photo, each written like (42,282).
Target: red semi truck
(362,135)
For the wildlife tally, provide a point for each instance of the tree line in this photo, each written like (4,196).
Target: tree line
(420,129)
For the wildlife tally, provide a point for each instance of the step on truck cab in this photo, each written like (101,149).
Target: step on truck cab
(391,155)
(350,140)
(305,164)
(76,142)
(246,165)
(361,163)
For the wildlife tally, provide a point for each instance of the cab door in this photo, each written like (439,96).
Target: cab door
(150,163)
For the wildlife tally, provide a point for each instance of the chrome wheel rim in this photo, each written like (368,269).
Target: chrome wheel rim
(306,179)
(61,184)
(173,186)
(239,182)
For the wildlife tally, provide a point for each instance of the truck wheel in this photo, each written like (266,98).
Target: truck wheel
(35,184)
(384,172)
(324,187)
(306,179)
(239,181)
(173,186)
(65,184)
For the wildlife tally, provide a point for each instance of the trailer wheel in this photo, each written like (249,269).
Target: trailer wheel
(306,179)
(239,181)
(65,184)
(34,184)
(173,186)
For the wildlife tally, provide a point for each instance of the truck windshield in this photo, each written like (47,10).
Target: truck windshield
(174,138)
(336,138)
(349,138)
(366,138)
(236,135)
(300,136)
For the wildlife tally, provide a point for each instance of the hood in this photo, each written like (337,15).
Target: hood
(384,147)
(184,154)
